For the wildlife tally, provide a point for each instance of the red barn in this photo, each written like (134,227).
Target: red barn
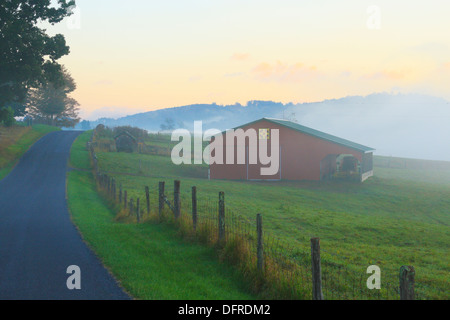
(297,153)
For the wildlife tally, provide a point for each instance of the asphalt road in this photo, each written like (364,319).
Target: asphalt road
(38,241)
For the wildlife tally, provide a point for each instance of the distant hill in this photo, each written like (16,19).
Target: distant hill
(212,115)
(404,125)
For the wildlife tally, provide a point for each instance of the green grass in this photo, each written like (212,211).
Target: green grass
(150,260)
(431,172)
(79,155)
(15,141)
(399,217)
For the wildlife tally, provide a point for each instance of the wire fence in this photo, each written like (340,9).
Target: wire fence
(277,269)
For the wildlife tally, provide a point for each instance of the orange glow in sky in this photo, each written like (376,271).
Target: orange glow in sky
(139,55)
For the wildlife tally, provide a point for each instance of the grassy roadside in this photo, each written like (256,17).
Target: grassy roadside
(15,141)
(399,217)
(150,260)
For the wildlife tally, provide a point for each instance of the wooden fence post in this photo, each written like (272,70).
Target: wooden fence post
(125,202)
(114,189)
(147,197)
(120,193)
(407,274)
(161,198)
(194,207)
(260,245)
(316,269)
(221,216)
(138,209)
(176,199)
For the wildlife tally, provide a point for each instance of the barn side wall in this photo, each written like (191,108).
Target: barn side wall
(301,155)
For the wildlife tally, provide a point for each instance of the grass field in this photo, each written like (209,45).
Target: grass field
(399,217)
(15,141)
(150,260)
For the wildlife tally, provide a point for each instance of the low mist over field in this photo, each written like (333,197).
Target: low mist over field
(401,125)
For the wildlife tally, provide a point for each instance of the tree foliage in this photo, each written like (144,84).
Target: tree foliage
(138,133)
(7,116)
(28,56)
(52,104)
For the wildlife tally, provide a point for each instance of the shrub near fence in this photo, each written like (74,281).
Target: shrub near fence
(275,269)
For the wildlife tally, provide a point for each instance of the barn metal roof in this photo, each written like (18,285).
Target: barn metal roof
(316,133)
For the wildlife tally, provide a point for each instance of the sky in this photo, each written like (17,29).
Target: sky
(142,55)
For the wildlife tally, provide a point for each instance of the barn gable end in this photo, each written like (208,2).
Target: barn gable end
(125,142)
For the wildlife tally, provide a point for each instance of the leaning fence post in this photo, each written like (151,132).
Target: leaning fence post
(316,269)
(138,209)
(161,198)
(176,199)
(147,197)
(407,274)
(194,207)
(260,245)
(221,216)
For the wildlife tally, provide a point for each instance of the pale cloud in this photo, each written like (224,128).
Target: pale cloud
(240,56)
(195,78)
(234,74)
(263,69)
(388,75)
(281,72)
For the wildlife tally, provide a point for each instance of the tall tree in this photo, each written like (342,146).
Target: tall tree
(28,56)
(52,104)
